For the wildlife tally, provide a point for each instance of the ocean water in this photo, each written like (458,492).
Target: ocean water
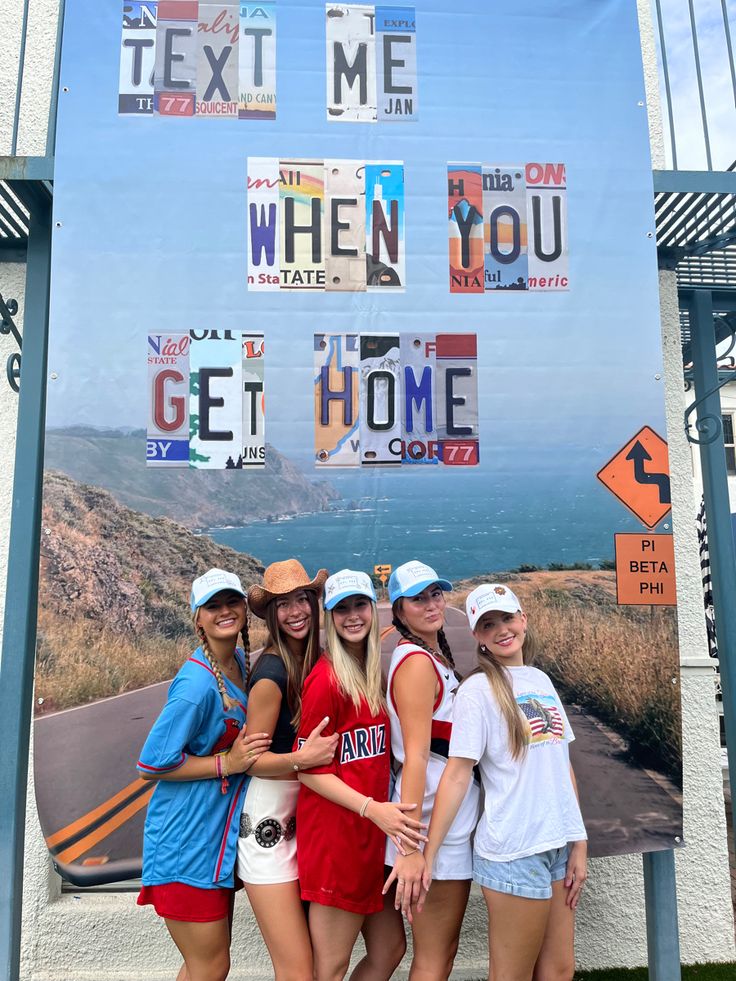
(463,526)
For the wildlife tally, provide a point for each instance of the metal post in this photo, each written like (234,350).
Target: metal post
(19,631)
(660,896)
(717,508)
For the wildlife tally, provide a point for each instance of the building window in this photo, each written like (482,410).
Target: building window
(729,444)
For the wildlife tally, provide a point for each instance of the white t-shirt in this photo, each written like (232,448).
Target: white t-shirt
(530,804)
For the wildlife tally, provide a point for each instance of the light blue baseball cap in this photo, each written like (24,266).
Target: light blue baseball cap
(347,583)
(212,582)
(411,578)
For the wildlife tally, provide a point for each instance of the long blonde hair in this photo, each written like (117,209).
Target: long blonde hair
(227,701)
(295,672)
(357,681)
(499,680)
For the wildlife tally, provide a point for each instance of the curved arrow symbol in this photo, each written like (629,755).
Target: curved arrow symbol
(638,454)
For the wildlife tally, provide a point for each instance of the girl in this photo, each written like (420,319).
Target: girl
(508,718)
(199,753)
(421,689)
(267,843)
(343,813)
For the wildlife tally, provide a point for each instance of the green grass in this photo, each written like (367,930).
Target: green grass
(690,972)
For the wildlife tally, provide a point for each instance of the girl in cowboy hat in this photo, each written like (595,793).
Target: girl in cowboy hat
(343,812)
(530,845)
(421,689)
(199,753)
(267,865)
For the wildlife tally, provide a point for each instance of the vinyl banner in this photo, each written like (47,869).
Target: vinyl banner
(372,285)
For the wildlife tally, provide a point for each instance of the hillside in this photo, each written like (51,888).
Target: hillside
(115,460)
(114,594)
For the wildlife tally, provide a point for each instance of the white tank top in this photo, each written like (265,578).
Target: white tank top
(467,816)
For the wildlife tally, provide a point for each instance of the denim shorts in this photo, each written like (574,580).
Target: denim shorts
(530,877)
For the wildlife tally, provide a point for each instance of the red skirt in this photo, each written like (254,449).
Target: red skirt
(178,901)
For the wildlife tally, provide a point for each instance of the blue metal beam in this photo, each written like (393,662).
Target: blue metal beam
(26,168)
(717,508)
(660,897)
(21,598)
(695,181)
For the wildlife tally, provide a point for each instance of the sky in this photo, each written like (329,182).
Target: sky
(150,224)
(717,82)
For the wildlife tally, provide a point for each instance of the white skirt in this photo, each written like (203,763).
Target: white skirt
(267,838)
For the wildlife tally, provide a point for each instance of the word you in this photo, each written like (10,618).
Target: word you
(194,58)
(334,225)
(371,63)
(383,400)
(206,400)
(507,227)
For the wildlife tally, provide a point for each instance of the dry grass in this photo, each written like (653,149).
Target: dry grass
(77,661)
(619,662)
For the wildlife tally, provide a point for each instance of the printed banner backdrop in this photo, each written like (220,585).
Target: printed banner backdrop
(283,327)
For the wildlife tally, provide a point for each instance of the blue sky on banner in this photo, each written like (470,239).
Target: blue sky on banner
(152,214)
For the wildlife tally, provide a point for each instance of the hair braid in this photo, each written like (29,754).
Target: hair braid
(445,648)
(246,650)
(444,652)
(227,701)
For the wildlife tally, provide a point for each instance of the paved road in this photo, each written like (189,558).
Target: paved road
(92,804)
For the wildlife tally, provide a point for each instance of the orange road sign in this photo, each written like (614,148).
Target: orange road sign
(639,476)
(645,570)
(382,571)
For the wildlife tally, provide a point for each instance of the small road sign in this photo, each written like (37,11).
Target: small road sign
(638,475)
(383,572)
(645,570)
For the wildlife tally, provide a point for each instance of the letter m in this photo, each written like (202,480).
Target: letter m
(350,71)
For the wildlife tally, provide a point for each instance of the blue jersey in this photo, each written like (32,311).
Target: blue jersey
(191,829)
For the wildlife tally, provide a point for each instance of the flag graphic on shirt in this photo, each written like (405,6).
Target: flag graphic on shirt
(543,716)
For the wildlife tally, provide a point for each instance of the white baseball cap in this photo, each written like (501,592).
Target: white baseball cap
(212,582)
(346,583)
(490,596)
(411,578)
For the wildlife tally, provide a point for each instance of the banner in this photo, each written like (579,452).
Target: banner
(377,286)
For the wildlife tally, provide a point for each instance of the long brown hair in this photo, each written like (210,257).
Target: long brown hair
(295,672)
(227,702)
(445,653)
(499,679)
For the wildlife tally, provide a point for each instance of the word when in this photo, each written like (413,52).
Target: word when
(395,399)
(371,63)
(192,58)
(493,213)
(334,225)
(206,400)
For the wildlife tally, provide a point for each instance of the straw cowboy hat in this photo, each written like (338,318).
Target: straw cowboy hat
(279,579)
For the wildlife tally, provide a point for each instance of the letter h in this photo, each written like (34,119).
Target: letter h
(328,395)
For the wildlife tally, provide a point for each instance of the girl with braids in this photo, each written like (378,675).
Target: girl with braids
(421,689)
(199,752)
(530,845)
(267,864)
(343,813)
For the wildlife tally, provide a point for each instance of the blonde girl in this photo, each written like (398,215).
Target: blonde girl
(267,864)
(343,812)
(199,753)
(421,689)
(530,845)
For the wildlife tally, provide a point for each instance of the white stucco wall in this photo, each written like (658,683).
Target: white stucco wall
(104,936)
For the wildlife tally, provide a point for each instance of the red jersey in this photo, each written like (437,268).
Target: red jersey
(340,854)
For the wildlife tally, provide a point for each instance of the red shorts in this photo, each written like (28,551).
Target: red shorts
(177,901)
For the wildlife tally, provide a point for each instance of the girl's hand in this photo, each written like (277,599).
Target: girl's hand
(390,818)
(407,872)
(317,750)
(426,879)
(246,749)
(576,872)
